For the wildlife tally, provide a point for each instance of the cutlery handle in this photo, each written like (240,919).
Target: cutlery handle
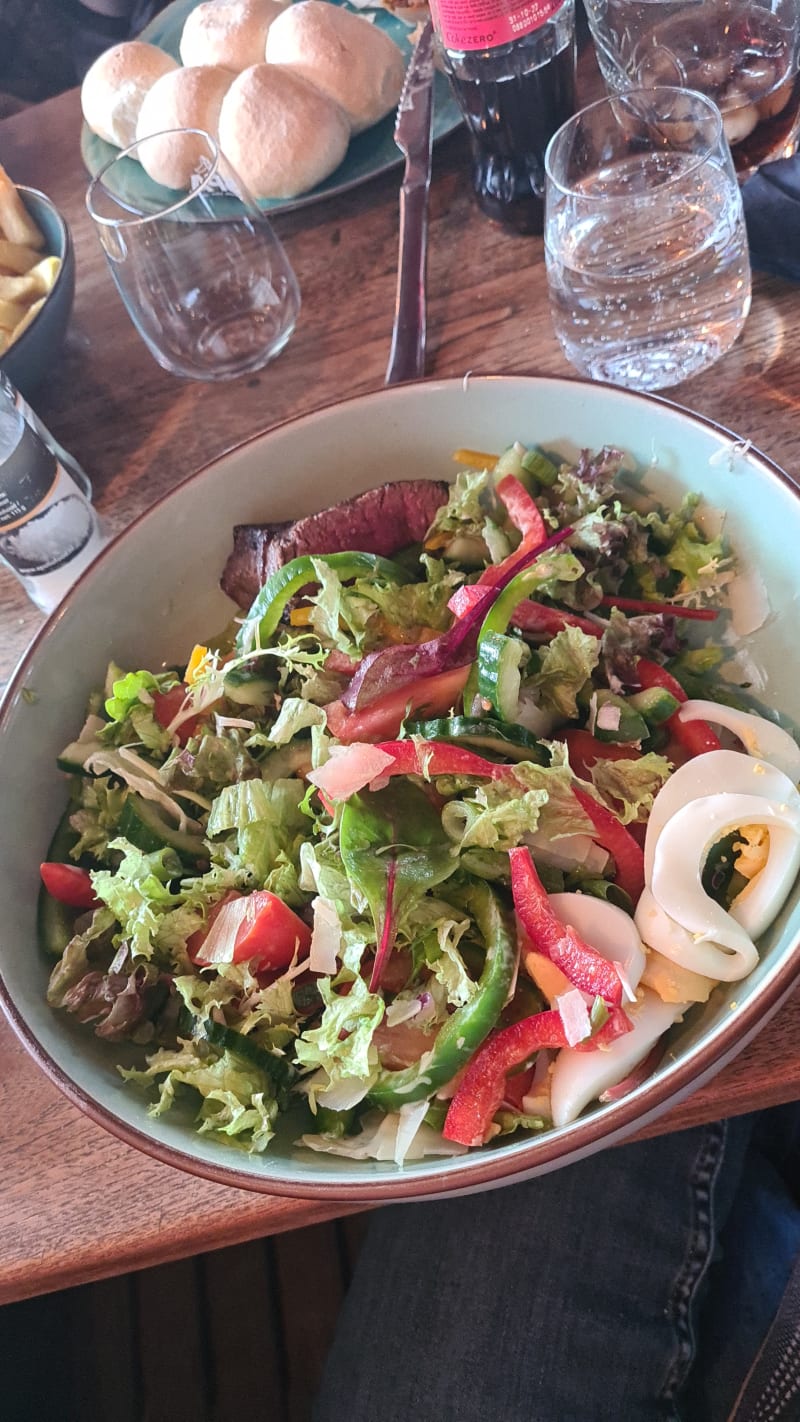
(407,355)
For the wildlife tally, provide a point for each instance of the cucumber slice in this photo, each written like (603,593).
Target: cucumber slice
(250,685)
(655,704)
(499,676)
(227,1039)
(504,738)
(631,726)
(142,823)
(73,757)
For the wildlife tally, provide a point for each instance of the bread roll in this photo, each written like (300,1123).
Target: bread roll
(347,57)
(280,133)
(115,87)
(232,34)
(184,98)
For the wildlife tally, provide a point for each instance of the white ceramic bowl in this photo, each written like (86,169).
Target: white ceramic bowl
(154,592)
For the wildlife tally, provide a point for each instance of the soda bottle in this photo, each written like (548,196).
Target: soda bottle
(511,67)
(49,531)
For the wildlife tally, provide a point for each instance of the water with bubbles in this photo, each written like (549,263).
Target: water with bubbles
(651,283)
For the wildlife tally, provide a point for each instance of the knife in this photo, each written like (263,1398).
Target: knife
(413,135)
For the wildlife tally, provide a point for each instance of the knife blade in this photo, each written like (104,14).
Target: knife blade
(413,135)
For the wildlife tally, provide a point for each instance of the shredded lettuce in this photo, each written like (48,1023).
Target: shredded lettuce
(238,1100)
(565,665)
(342,1043)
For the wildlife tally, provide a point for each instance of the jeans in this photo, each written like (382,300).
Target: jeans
(637,1285)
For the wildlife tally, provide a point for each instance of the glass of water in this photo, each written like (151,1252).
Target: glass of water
(203,276)
(645,244)
(743,53)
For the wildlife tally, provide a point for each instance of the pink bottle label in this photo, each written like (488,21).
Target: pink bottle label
(484,24)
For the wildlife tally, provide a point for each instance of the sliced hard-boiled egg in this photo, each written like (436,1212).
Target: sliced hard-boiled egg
(707,775)
(605,927)
(760,737)
(676,879)
(691,951)
(579,1077)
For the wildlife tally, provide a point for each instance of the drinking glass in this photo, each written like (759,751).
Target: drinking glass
(744,54)
(645,245)
(202,274)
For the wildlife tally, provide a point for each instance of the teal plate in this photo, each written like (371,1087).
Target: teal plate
(369,153)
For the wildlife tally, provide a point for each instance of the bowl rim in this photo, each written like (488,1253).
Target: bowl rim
(538,1154)
(66,257)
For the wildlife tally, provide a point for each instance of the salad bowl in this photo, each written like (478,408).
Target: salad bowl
(154,593)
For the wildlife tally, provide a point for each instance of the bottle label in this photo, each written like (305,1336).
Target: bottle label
(484,24)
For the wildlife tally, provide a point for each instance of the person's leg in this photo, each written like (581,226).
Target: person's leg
(746,1283)
(569,1298)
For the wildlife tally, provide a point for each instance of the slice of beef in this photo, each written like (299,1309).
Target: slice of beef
(383,521)
(244,571)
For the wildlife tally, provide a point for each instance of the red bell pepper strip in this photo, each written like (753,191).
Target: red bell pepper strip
(620,843)
(523,510)
(430,758)
(383,717)
(583,965)
(641,606)
(70,884)
(528,616)
(536,617)
(696,737)
(585,750)
(482,1087)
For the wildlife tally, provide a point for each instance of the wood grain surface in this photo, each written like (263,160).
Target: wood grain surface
(77,1204)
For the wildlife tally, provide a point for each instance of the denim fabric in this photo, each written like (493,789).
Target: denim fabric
(571,1298)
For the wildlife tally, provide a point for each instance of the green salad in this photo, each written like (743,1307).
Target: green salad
(387,852)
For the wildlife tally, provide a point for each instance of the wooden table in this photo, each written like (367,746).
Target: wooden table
(76,1204)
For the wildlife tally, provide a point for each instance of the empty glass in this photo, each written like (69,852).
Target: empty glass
(645,244)
(742,53)
(202,274)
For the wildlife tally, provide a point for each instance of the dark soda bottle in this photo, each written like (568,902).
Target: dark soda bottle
(511,68)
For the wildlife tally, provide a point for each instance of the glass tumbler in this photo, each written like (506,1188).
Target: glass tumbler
(201,272)
(645,245)
(743,53)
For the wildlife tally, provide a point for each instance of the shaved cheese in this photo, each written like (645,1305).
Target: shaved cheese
(326,937)
(220,942)
(349,769)
(627,990)
(574,1015)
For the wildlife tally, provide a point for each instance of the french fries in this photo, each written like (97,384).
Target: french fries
(26,275)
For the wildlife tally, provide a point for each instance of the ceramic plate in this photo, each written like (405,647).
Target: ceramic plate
(154,592)
(369,153)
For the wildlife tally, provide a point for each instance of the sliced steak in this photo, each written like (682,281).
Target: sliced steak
(382,521)
(244,571)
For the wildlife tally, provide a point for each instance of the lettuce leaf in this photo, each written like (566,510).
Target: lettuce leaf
(342,1043)
(495,817)
(138,894)
(630,786)
(267,823)
(565,664)
(238,1100)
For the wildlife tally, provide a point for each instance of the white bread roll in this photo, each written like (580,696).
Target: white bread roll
(280,134)
(115,87)
(184,98)
(233,34)
(347,57)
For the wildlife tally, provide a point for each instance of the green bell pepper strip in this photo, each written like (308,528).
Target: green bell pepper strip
(267,609)
(469,1025)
